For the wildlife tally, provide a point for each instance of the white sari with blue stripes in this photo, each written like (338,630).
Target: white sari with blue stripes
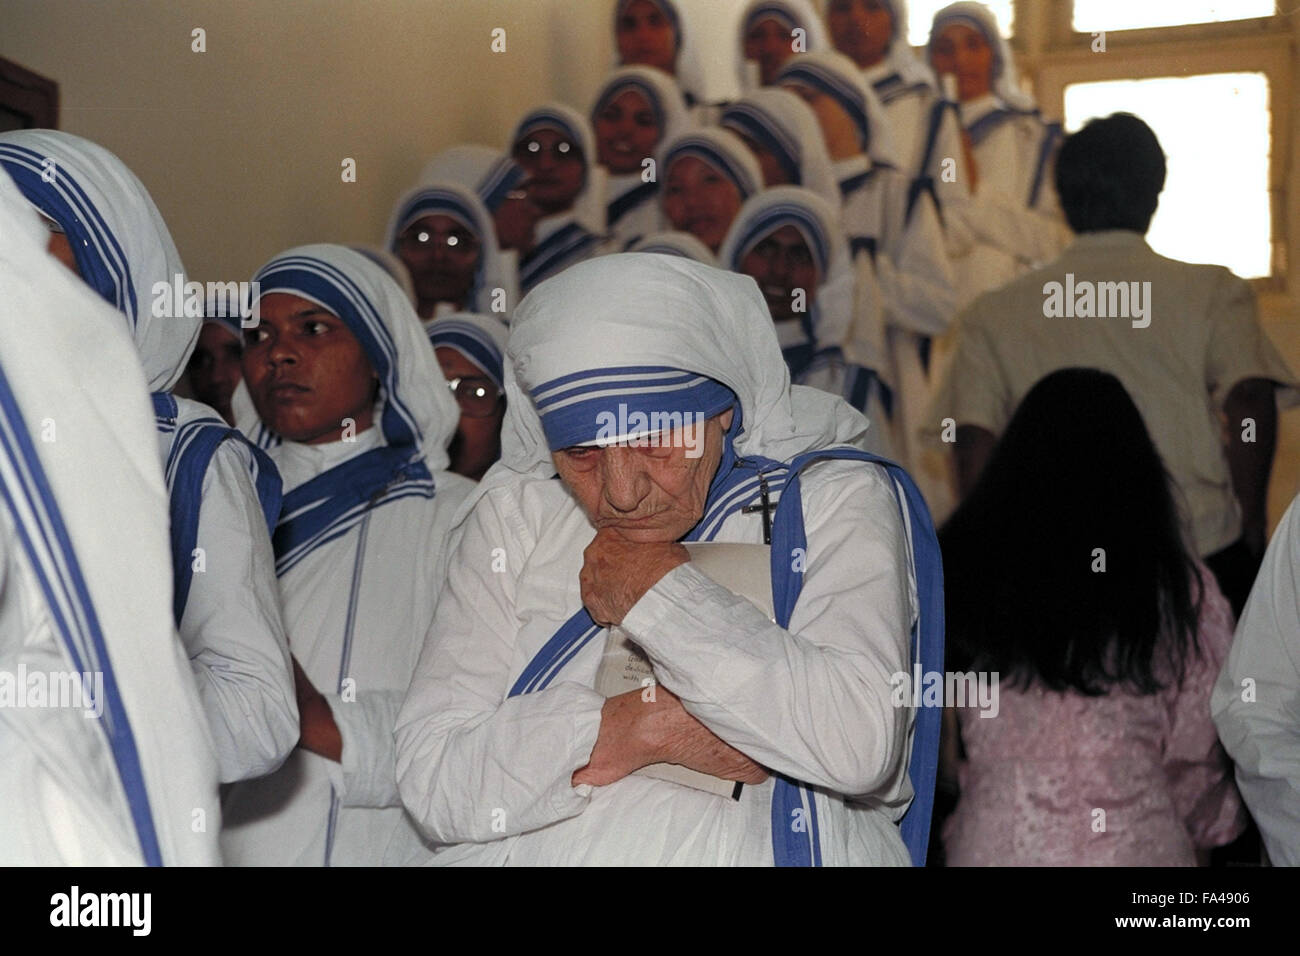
(501,711)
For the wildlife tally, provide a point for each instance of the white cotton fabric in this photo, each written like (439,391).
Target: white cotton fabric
(1006,81)
(493,774)
(129,212)
(471,165)
(588,209)
(231,625)
(63,802)
(379,579)
(1254,699)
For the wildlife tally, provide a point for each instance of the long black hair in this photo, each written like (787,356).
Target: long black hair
(1066,565)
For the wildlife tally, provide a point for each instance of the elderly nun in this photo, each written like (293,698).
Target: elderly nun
(446,239)
(341,373)
(505,746)
(557,150)
(636,109)
(118,771)
(470,349)
(223,493)
(825,305)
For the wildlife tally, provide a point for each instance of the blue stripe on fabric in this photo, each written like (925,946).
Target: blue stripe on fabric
(1051,138)
(704,150)
(827,82)
(99,256)
(624,204)
(638,85)
(556,252)
(787,214)
(752,122)
(45,539)
(502,176)
(472,342)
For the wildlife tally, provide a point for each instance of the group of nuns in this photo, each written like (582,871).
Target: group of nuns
(868,200)
(864,202)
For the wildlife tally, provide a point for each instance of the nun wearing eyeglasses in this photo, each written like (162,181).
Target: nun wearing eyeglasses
(117,772)
(506,750)
(446,239)
(1015,215)
(222,492)
(826,307)
(904,240)
(342,375)
(636,109)
(470,350)
(564,182)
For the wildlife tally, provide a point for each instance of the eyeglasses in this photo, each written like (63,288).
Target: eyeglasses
(477,397)
(422,240)
(561,151)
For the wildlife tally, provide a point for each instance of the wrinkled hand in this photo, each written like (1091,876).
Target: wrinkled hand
(636,732)
(616,573)
(316,727)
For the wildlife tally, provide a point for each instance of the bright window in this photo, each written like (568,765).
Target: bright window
(921,15)
(1214,130)
(1096,15)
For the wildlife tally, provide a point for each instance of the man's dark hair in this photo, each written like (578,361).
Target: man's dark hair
(1109,175)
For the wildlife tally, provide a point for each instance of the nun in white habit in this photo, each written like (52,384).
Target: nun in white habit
(360,550)
(782,132)
(636,109)
(772,31)
(119,775)
(504,747)
(223,493)
(555,146)
(825,305)
(670,242)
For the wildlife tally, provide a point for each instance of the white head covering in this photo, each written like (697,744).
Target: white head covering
(394,266)
(672,242)
(68,359)
(722,150)
(589,206)
(788,127)
(120,241)
(495,269)
(791,14)
(634,310)
(688,76)
(835,74)
(479,338)
(489,172)
(1006,81)
(837,314)
(662,92)
(414,407)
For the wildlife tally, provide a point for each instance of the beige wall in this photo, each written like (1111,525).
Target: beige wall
(241,146)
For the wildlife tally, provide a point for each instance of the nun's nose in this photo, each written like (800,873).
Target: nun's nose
(623,478)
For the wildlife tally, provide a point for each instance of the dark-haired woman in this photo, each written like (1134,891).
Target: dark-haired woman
(1067,577)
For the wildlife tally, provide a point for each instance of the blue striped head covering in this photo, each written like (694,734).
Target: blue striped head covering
(791,212)
(461,204)
(563,121)
(839,80)
(786,126)
(660,90)
(490,173)
(976,16)
(749,119)
(723,151)
(414,413)
(480,338)
(121,244)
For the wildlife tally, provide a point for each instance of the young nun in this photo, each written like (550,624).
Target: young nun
(222,491)
(445,238)
(498,181)
(873,34)
(649,33)
(916,279)
(637,108)
(782,132)
(1014,216)
(470,350)
(806,699)
(555,146)
(789,241)
(708,174)
(772,31)
(340,370)
(119,771)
